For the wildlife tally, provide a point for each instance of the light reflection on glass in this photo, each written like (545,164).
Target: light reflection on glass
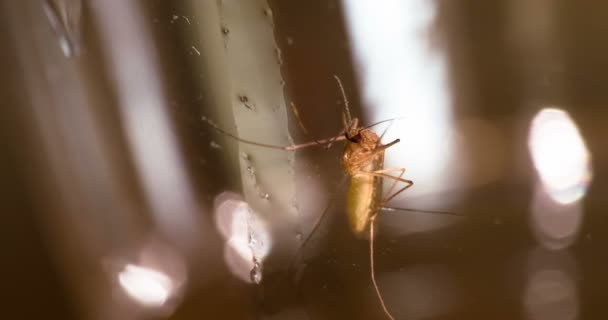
(155,279)
(65,18)
(147,286)
(559,155)
(247,238)
(550,291)
(133,66)
(556,226)
(550,294)
(401,76)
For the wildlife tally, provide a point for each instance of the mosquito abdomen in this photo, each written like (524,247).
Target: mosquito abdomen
(364,197)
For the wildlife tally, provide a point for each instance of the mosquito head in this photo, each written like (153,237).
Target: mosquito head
(352,131)
(355,139)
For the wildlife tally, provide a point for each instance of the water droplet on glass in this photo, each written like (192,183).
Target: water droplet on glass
(256,272)
(65,20)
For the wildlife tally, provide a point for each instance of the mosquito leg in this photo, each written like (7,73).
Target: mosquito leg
(331,140)
(409,183)
(382,174)
(371,264)
(358,163)
(316,226)
(363,160)
(394,184)
(294,109)
(292,147)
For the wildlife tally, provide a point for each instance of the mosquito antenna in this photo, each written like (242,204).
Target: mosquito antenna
(422,211)
(384,132)
(383,121)
(390,121)
(372,225)
(346,107)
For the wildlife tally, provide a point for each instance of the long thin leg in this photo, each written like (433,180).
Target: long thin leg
(409,183)
(380,173)
(372,271)
(395,179)
(292,147)
(400,178)
(384,208)
(401,172)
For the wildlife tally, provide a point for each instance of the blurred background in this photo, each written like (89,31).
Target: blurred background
(122,201)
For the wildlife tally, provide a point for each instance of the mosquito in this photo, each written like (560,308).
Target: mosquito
(363,161)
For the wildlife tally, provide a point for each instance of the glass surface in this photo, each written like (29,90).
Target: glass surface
(128,197)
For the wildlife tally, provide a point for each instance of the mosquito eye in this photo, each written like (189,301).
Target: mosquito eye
(356,138)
